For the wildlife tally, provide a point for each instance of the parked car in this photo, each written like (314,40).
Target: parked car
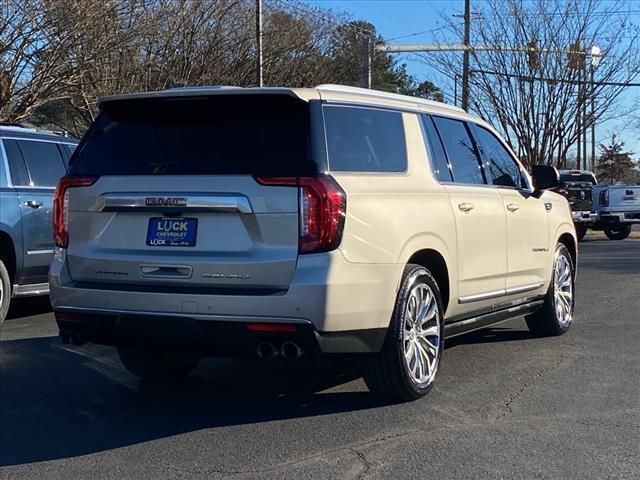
(576,186)
(288,223)
(31,163)
(618,209)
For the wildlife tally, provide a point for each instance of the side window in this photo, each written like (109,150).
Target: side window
(461,151)
(69,148)
(437,153)
(500,166)
(17,168)
(365,140)
(44,162)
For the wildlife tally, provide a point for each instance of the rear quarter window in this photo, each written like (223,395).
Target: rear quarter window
(365,140)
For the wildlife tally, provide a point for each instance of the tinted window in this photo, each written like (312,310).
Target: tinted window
(501,168)
(365,140)
(44,162)
(438,155)
(461,151)
(577,177)
(19,174)
(216,135)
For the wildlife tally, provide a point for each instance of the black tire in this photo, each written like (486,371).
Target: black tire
(5,292)
(581,230)
(153,364)
(548,321)
(387,373)
(619,232)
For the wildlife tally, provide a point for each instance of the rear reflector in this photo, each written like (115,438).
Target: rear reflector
(271,327)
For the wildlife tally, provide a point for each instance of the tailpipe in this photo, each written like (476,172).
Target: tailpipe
(291,350)
(266,350)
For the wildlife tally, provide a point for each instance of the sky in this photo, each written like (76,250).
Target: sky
(420,21)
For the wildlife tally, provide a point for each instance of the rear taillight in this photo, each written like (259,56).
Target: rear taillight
(61,207)
(604,198)
(322,207)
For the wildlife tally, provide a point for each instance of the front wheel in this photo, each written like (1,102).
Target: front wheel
(619,232)
(556,314)
(155,365)
(406,367)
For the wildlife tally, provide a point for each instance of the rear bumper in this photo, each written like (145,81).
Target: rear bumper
(584,217)
(207,336)
(340,307)
(619,217)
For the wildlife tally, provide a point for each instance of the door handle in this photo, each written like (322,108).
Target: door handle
(33,203)
(513,207)
(466,207)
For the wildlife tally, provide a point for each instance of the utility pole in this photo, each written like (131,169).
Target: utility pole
(367,50)
(259,77)
(465,56)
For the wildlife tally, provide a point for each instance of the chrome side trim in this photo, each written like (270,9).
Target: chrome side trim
(524,288)
(40,252)
(30,290)
(482,296)
(499,293)
(193,202)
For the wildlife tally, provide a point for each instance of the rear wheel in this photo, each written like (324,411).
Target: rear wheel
(406,367)
(556,314)
(581,230)
(619,232)
(153,364)
(5,291)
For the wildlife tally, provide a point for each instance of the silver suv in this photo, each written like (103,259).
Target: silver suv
(289,223)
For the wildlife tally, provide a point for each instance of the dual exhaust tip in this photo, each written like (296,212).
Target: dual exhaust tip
(288,350)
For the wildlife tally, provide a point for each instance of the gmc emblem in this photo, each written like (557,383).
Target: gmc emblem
(165,202)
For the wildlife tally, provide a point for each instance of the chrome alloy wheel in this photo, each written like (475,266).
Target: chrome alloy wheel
(421,335)
(563,290)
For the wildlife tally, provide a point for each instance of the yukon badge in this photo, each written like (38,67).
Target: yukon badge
(165,202)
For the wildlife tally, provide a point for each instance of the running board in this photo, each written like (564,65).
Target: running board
(32,290)
(475,323)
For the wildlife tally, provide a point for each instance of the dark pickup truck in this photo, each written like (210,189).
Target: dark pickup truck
(576,186)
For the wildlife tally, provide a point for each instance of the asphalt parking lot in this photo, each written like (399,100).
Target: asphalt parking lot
(505,405)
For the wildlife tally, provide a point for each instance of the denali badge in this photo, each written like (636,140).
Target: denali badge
(165,202)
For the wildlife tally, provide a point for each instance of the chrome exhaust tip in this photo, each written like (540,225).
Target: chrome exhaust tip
(266,350)
(291,350)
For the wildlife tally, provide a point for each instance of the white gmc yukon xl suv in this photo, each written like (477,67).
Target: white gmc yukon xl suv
(289,223)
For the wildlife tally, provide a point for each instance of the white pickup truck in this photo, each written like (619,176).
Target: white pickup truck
(618,208)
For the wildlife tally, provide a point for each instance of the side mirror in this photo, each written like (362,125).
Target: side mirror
(545,177)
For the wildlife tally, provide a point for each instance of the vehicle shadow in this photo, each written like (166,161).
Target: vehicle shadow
(58,401)
(26,307)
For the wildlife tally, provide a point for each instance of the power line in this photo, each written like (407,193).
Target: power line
(417,33)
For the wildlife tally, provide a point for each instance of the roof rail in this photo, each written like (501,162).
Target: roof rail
(388,95)
(199,87)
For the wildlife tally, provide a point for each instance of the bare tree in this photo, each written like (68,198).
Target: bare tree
(536,77)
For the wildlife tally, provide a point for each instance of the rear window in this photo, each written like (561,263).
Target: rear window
(216,135)
(577,178)
(365,140)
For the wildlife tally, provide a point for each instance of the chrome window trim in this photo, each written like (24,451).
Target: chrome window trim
(10,183)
